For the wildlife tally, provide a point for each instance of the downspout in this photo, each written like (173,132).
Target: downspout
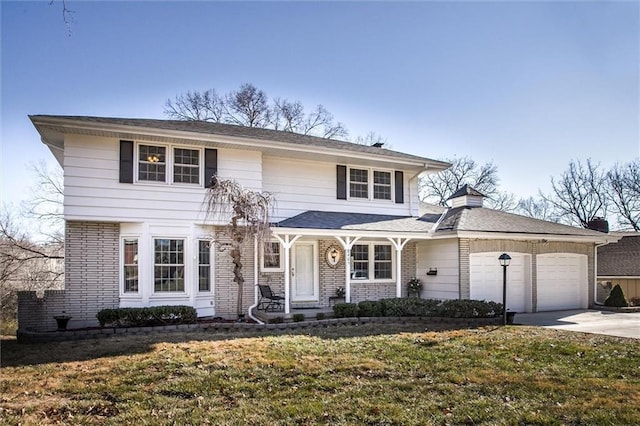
(255,282)
(595,271)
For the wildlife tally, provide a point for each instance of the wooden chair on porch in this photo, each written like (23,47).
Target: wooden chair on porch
(269,301)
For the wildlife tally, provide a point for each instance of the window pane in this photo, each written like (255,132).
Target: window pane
(151,163)
(204,266)
(360,262)
(382,262)
(382,185)
(130,266)
(169,265)
(359,183)
(272,256)
(186,168)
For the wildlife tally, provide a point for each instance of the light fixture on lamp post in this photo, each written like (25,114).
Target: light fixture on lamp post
(504,261)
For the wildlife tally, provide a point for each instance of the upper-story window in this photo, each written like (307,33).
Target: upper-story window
(369,184)
(359,183)
(186,165)
(152,163)
(158,163)
(381,185)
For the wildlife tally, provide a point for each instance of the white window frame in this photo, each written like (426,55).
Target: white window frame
(371,184)
(122,264)
(371,263)
(185,266)
(280,267)
(211,266)
(169,164)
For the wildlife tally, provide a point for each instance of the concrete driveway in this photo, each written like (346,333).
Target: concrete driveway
(586,321)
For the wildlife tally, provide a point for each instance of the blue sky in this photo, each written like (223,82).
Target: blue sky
(527,85)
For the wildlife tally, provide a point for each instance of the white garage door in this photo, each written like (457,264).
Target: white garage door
(486,279)
(562,281)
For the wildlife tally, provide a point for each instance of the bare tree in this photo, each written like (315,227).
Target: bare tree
(437,188)
(196,106)
(45,204)
(371,138)
(503,201)
(624,182)
(25,265)
(580,194)
(249,211)
(248,106)
(321,121)
(537,208)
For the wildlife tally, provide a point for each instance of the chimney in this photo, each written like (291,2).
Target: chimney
(599,224)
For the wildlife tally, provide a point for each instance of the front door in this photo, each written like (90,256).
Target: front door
(304,276)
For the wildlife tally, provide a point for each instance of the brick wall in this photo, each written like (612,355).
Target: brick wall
(91,280)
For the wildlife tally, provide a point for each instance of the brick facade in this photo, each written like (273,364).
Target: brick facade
(91,280)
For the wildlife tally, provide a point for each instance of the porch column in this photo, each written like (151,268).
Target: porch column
(287,243)
(399,244)
(347,244)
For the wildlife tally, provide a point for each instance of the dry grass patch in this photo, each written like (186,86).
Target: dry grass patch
(350,375)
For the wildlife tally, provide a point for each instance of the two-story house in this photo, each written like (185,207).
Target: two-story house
(346,215)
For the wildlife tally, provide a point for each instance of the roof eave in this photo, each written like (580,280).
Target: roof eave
(605,239)
(419,164)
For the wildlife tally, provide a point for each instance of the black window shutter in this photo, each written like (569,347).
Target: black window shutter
(341,180)
(399,180)
(210,165)
(126,161)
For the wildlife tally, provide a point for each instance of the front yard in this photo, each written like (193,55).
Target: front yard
(369,374)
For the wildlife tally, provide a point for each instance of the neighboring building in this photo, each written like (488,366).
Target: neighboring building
(137,235)
(619,263)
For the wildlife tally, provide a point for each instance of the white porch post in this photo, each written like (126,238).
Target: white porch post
(399,244)
(347,244)
(287,243)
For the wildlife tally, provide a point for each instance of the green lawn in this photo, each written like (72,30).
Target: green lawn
(371,374)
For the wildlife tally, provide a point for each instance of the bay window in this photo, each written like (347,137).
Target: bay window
(168,271)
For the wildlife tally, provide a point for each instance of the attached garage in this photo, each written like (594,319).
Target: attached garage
(486,279)
(562,281)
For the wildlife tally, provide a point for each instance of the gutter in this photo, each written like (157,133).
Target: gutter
(255,283)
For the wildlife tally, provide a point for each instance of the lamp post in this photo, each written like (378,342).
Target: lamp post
(504,261)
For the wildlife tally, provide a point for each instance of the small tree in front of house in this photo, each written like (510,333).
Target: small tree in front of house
(616,298)
(249,218)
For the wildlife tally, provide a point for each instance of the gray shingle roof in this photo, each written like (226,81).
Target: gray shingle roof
(240,131)
(487,220)
(360,221)
(620,259)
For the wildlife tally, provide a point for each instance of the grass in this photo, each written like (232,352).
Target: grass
(372,374)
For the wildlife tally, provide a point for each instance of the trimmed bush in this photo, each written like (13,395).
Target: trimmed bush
(370,308)
(468,309)
(634,301)
(320,316)
(616,298)
(408,307)
(143,317)
(345,310)
(298,317)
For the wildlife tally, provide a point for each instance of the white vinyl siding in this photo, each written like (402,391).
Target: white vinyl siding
(302,185)
(441,256)
(93,191)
